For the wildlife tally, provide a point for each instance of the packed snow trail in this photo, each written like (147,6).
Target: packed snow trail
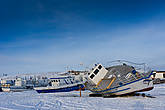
(31,100)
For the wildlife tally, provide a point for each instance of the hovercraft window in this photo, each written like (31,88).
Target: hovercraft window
(96,71)
(92,76)
(100,67)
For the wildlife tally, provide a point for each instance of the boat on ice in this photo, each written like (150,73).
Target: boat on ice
(62,84)
(14,89)
(118,80)
(18,86)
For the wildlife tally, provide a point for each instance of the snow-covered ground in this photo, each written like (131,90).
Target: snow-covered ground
(31,100)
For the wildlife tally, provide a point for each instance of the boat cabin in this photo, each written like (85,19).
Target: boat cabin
(97,73)
(62,81)
(20,82)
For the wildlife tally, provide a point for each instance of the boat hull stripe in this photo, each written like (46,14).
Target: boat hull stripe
(117,91)
(68,89)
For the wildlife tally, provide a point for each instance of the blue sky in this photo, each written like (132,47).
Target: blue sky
(42,36)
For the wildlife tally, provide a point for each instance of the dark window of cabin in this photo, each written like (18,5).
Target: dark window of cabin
(163,75)
(100,67)
(92,76)
(96,71)
(134,71)
(50,84)
(120,83)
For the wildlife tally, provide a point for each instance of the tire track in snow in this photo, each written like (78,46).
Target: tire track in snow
(78,105)
(21,105)
(49,104)
(65,103)
(56,105)
(3,108)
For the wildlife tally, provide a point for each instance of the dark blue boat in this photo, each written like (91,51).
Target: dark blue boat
(66,89)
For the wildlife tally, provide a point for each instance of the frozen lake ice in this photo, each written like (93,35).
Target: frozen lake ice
(31,100)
